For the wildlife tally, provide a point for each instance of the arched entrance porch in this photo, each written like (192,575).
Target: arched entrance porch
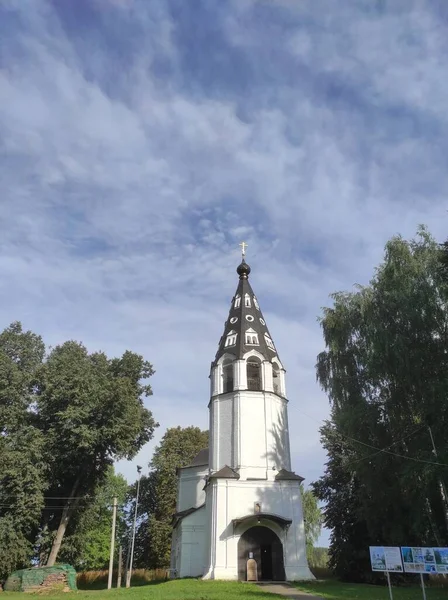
(267,550)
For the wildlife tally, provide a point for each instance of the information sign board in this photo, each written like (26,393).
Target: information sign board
(425,560)
(386,559)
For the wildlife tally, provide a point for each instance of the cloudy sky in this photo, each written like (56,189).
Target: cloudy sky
(140,142)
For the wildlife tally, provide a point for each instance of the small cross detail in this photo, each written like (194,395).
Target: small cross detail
(243,246)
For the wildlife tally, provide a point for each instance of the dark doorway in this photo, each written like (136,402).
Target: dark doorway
(266,561)
(267,551)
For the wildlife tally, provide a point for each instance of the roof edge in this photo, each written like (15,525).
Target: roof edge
(284,475)
(177,517)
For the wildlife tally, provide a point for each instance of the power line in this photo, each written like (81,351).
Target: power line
(43,507)
(387,447)
(52,507)
(57,506)
(419,460)
(87,497)
(379,450)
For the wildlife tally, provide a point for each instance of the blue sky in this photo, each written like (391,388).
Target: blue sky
(140,142)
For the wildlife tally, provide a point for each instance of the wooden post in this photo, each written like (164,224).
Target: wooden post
(112,545)
(390,587)
(423,586)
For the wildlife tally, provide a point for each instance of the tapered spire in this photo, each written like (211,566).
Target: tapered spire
(245,328)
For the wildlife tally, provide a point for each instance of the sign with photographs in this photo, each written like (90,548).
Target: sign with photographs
(425,560)
(409,559)
(386,559)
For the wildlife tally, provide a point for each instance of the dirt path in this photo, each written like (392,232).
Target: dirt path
(287,590)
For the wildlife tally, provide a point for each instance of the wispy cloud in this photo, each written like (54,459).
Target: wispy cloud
(140,141)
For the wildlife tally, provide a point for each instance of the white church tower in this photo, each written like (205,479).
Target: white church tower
(239,499)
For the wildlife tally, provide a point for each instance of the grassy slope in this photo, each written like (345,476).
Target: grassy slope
(192,589)
(334,590)
(186,589)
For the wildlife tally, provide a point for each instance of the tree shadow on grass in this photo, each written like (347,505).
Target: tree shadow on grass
(100,583)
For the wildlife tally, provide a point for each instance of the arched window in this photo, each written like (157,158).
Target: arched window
(227,377)
(237,301)
(276,378)
(231,338)
(247,300)
(251,337)
(253,373)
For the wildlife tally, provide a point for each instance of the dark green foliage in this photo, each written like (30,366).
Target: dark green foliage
(158,493)
(92,413)
(64,419)
(385,371)
(23,474)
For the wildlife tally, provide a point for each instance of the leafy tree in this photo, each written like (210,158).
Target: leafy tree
(312,517)
(64,419)
(338,488)
(87,545)
(91,412)
(385,372)
(158,494)
(23,473)
(319,558)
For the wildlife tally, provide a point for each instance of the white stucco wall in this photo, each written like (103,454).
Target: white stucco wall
(249,433)
(231,499)
(191,491)
(190,545)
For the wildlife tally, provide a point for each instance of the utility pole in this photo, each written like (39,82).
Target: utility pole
(128,556)
(112,544)
(441,484)
(120,558)
(129,573)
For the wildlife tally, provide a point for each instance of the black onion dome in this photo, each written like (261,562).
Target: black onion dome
(243,270)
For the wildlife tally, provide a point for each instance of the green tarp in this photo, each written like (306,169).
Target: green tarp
(29,580)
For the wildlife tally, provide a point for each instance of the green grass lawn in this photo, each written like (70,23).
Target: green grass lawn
(192,589)
(335,590)
(186,589)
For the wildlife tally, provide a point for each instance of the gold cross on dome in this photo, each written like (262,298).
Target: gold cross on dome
(243,246)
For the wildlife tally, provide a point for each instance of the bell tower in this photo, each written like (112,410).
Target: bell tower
(248,406)
(253,500)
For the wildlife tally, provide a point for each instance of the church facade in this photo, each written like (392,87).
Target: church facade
(239,498)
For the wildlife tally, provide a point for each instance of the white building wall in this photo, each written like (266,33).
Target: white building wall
(226,430)
(240,375)
(233,499)
(266,367)
(191,545)
(249,432)
(191,483)
(278,435)
(253,459)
